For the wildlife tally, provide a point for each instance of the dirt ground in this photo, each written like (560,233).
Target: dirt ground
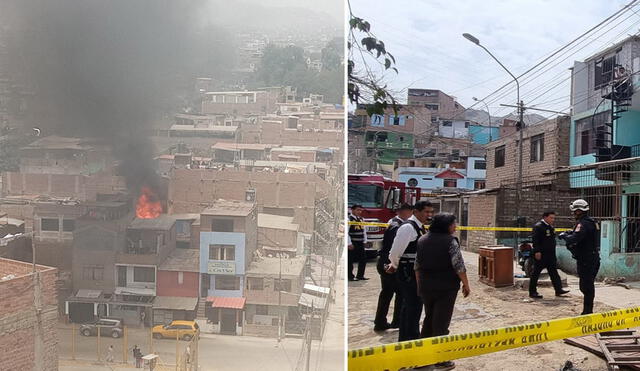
(485,308)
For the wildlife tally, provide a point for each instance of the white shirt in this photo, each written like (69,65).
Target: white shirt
(365,231)
(405,235)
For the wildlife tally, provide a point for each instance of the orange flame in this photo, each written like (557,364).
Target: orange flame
(148,206)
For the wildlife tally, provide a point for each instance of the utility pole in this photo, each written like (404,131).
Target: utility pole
(280,299)
(308,341)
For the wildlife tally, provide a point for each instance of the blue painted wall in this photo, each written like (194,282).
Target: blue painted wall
(612,264)
(223,238)
(480,134)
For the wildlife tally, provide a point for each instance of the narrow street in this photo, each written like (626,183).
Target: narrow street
(488,308)
(217,352)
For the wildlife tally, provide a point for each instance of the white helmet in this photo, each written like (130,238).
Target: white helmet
(579,204)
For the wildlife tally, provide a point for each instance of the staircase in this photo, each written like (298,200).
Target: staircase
(620,96)
(200,313)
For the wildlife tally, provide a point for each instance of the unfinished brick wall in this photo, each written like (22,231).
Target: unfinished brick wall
(556,153)
(482,210)
(191,191)
(78,187)
(25,345)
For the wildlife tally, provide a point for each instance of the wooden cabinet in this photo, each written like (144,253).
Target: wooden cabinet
(495,265)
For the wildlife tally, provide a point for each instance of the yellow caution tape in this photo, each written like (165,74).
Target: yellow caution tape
(465,228)
(417,353)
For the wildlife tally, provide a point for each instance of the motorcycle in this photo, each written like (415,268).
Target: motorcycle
(525,257)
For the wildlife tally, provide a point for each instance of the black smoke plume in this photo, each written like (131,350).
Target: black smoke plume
(108,69)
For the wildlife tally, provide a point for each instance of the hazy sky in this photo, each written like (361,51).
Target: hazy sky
(335,8)
(425,37)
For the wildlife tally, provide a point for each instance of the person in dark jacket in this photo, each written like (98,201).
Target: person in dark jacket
(544,255)
(357,240)
(402,258)
(439,268)
(584,244)
(388,280)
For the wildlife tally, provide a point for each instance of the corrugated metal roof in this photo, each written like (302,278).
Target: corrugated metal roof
(175,303)
(229,303)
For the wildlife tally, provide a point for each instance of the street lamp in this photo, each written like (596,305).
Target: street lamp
(488,113)
(520,124)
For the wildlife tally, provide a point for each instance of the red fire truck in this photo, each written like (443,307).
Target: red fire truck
(378,195)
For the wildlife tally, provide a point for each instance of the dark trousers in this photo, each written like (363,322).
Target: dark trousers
(438,309)
(587,272)
(411,304)
(357,256)
(550,266)
(389,289)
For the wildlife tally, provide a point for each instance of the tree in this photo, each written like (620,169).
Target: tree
(363,84)
(287,66)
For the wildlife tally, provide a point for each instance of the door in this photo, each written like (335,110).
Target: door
(171,331)
(228,325)
(122,276)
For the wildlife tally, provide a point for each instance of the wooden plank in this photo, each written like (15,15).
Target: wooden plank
(590,344)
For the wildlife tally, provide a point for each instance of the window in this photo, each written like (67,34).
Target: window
(397,120)
(93,273)
(499,156)
(262,309)
(466,124)
(434,119)
(377,120)
(586,129)
(49,224)
(282,285)
(222,225)
(180,278)
(68,225)
(412,163)
(478,184)
(254,283)
(144,274)
(432,107)
(378,136)
(222,252)
(227,283)
(447,123)
(537,148)
(451,183)
(480,165)
(603,71)
(455,153)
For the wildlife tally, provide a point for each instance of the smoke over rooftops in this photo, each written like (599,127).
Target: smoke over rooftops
(105,69)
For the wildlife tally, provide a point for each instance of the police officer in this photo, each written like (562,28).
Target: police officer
(544,255)
(584,244)
(388,280)
(402,259)
(357,240)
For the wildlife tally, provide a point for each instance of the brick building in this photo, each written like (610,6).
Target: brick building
(273,290)
(28,317)
(228,241)
(441,105)
(545,147)
(178,287)
(286,194)
(239,102)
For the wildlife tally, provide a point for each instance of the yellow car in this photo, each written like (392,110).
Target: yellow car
(184,330)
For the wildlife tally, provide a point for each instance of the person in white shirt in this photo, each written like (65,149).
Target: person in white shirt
(401,259)
(389,281)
